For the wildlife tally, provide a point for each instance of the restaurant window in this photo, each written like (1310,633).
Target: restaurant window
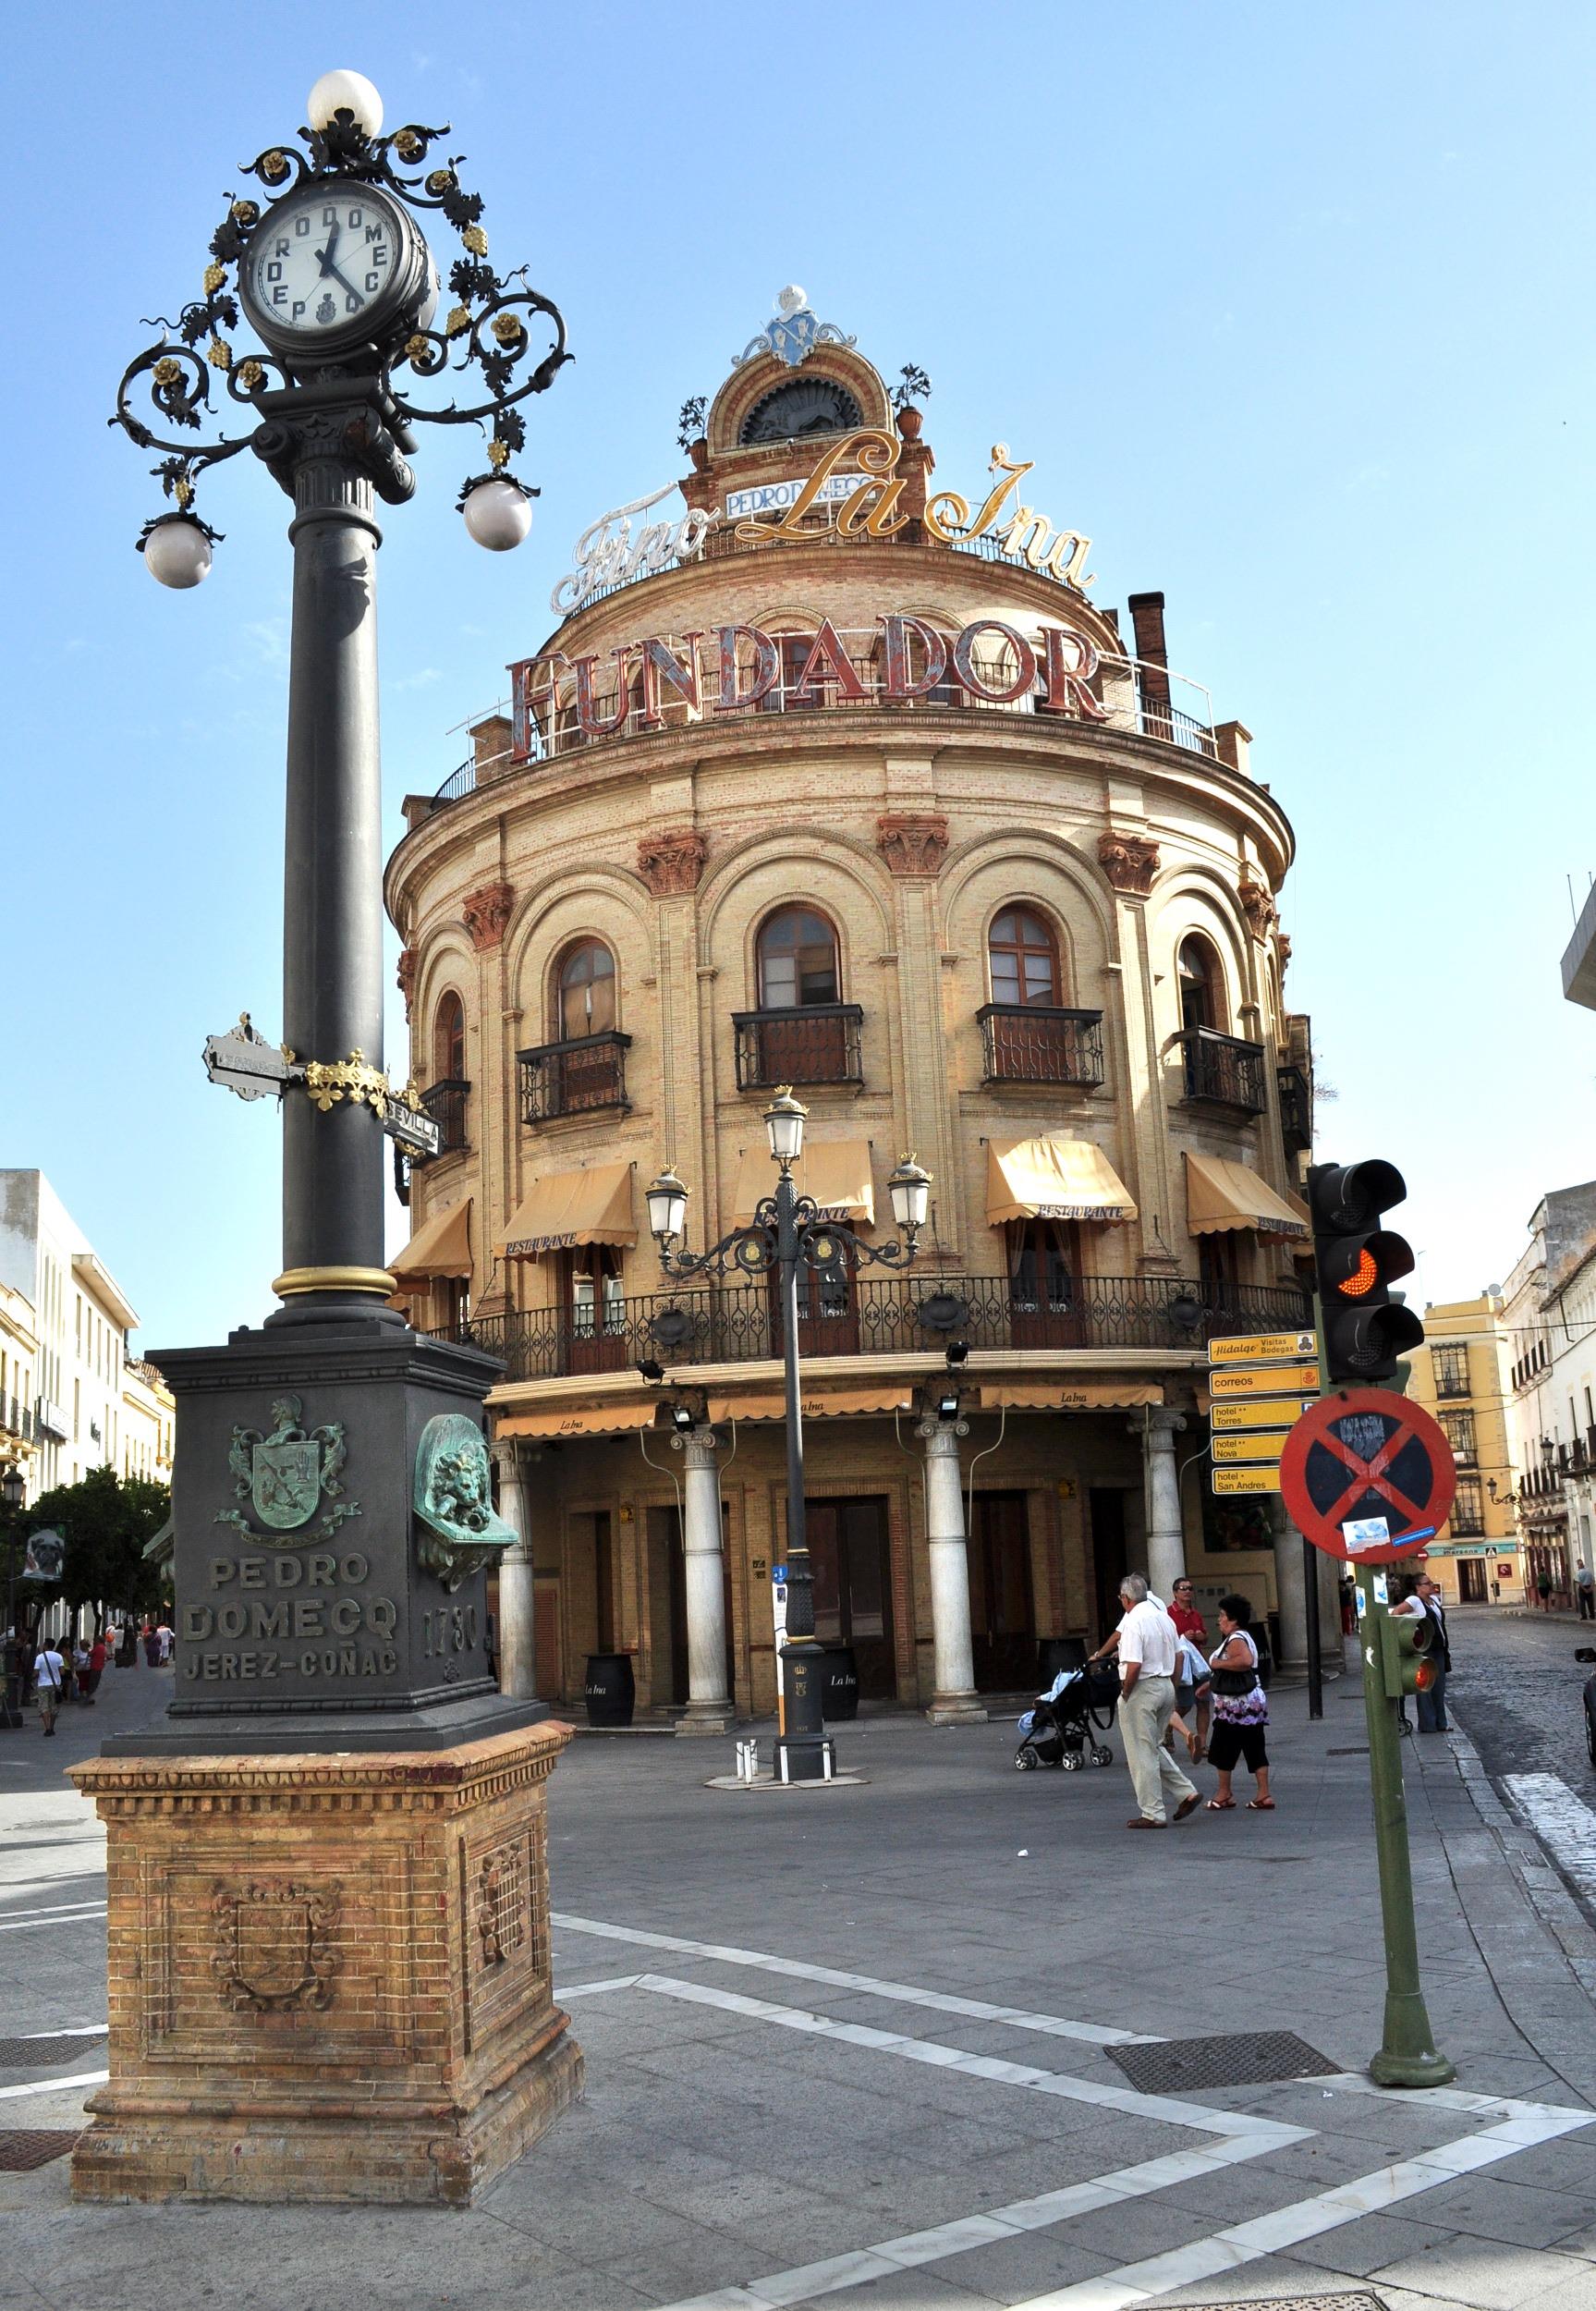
(797,961)
(1449,1365)
(1201,998)
(449,1041)
(1043,1263)
(585,991)
(593,1296)
(1023,956)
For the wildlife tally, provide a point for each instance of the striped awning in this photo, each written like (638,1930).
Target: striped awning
(1222,1194)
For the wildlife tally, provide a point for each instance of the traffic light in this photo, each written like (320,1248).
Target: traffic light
(1406,1662)
(1357,1261)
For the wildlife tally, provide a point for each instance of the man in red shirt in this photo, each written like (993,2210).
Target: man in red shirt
(1187,1621)
(96,1667)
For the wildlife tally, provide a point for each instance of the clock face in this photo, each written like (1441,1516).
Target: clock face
(323,264)
(808,405)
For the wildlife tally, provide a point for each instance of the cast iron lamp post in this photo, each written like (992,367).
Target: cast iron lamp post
(337,281)
(787,1233)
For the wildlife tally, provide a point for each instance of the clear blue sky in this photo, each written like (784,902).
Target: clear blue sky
(1292,307)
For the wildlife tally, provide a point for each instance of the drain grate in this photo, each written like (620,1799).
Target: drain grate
(64,2045)
(25,2147)
(1244,2057)
(1359,1750)
(1358,2302)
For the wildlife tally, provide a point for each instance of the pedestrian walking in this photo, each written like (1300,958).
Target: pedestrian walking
(1585,1590)
(1183,1612)
(166,1638)
(1240,1710)
(1433,1703)
(80,1672)
(152,1644)
(1193,1700)
(49,1676)
(1147,1646)
(98,1654)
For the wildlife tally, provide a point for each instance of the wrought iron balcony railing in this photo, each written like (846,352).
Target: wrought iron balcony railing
(16,1420)
(818,1043)
(445,1103)
(1223,1071)
(739,1323)
(1295,1109)
(569,1078)
(1029,1043)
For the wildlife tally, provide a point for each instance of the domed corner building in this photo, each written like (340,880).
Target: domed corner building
(844,782)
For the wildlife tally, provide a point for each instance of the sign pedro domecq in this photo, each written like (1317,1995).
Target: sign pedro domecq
(645,676)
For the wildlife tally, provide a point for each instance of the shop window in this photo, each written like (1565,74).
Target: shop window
(585,991)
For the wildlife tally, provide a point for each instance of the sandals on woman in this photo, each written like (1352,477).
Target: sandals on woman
(1222,1805)
(1261,1805)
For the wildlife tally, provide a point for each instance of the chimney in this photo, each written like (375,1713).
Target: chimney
(1147,624)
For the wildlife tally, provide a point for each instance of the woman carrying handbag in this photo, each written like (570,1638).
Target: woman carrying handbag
(1240,1710)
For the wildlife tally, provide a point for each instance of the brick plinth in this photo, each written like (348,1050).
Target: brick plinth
(329,1975)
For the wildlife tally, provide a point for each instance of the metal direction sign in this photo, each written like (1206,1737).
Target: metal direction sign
(1265,1380)
(1367,1475)
(1263,1347)
(1255,1411)
(412,1127)
(1264,1446)
(243,1061)
(1253,1480)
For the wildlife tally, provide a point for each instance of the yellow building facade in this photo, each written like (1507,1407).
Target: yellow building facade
(1461,1374)
(846,781)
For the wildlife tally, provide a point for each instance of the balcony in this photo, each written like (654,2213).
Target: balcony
(16,1420)
(1295,1109)
(574,1077)
(817,1043)
(49,1420)
(1037,1043)
(445,1103)
(905,1314)
(1223,1072)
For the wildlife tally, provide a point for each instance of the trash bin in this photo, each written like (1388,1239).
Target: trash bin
(610,1689)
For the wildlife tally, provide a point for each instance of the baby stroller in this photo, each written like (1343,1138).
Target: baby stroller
(1061,1729)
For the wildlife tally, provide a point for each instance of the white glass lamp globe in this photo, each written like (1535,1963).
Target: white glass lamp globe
(177,554)
(498,515)
(345,92)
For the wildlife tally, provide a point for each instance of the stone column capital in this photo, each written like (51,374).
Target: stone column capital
(942,1438)
(700,1445)
(1161,1428)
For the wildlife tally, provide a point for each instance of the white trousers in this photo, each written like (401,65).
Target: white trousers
(1144,1715)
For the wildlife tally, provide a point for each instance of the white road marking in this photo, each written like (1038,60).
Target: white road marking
(54,2085)
(591,1989)
(1271,2134)
(70,2030)
(1564,1823)
(30,1918)
(905,1993)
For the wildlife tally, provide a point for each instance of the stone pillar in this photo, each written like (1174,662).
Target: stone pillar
(1165,1539)
(709,1709)
(1291,1594)
(954,1700)
(517,1655)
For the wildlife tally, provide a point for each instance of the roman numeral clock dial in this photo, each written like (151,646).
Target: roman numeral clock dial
(334,267)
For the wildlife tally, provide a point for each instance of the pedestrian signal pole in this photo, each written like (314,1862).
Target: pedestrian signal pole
(1376,1491)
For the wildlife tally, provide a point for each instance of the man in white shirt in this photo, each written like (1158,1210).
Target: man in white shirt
(1149,1648)
(49,1673)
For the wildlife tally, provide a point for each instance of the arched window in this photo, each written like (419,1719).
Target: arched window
(797,959)
(1202,985)
(1023,955)
(585,991)
(449,1041)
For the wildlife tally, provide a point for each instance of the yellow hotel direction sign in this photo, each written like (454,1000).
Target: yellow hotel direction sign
(1256,1412)
(1265,1380)
(1246,1480)
(1262,1348)
(1265,1446)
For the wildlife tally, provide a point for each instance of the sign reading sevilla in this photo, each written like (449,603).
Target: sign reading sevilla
(1367,1475)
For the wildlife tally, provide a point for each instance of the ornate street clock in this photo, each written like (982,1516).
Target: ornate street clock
(805,404)
(334,267)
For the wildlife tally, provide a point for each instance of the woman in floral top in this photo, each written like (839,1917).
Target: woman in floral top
(1239,1719)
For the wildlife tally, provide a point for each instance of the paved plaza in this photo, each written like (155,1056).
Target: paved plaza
(903,2043)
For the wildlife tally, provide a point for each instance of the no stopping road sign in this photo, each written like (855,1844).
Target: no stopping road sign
(1365,1475)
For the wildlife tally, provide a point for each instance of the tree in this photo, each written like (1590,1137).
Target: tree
(105,1521)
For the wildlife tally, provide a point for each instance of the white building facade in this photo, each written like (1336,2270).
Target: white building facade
(1550,1311)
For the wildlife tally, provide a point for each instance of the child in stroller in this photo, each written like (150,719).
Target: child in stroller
(1061,1728)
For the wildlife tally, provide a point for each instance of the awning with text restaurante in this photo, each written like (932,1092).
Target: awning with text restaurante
(568,1208)
(1053,1178)
(834,1172)
(1222,1193)
(441,1246)
(587,1420)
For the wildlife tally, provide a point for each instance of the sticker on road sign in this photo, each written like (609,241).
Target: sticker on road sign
(1266,1380)
(1256,1412)
(1362,1534)
(1382,1589)
(1259,1348)
(1263,1446)
(1255,1480)
(1367,1453)
(1361,1600)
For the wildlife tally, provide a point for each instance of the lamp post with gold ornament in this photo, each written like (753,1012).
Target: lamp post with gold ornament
(790,1237)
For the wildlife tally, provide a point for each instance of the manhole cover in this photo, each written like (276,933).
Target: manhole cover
(1244,2058)
(61,2046)
(22,2147)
